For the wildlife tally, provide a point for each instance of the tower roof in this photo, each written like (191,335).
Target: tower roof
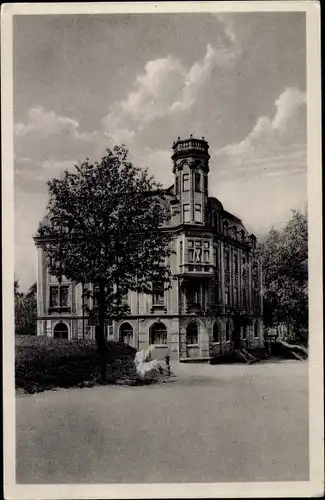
(192,146)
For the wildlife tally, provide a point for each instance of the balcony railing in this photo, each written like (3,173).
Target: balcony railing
(213,308)
(195,269)
(59,309)
(191,144)
(193,308)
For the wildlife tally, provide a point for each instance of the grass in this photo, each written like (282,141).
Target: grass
(44,363)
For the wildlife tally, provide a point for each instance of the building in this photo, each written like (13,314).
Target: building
(214,304)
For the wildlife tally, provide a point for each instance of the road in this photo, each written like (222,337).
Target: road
(210,424)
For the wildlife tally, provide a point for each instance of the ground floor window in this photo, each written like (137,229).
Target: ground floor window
(158,334)
(61,331)
(256,329)
(227,331)
(192,337)
(244,332)
(126,333)
(216,333)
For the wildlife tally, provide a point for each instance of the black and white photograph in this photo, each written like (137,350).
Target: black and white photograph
(162,258)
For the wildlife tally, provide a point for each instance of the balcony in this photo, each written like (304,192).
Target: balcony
(213,308)
(155,308)
(193,308)
(197,269)
(59,309)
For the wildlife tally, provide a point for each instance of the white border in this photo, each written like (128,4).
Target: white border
(313,487)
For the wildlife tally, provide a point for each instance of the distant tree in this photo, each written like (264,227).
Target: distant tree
(104,227)
(25,310)
(284,258)
(32,290)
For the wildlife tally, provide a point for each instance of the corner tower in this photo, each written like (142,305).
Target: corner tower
(191,168)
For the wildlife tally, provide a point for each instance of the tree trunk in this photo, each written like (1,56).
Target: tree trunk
(100,334)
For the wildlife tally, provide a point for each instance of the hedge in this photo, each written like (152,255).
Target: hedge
(45,363)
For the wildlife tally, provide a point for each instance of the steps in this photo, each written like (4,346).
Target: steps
(296,351)
(245,356)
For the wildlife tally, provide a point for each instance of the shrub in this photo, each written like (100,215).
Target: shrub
(45,363)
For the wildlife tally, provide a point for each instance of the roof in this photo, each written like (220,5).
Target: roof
(232,217)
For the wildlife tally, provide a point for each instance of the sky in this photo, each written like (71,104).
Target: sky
(83,83)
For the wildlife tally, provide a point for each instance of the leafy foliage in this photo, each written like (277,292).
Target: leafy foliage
(25,310)
(44,363)
(104,226)
(284,258)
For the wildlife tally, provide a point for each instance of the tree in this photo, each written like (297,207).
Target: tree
(25,310)
(105,226)
(284,258)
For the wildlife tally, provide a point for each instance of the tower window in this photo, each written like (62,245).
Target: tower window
(205,180)
(177,185)
(186,182)
(198,213)
(186,213)
(197,182)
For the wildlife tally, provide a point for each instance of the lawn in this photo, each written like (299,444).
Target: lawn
(44,363)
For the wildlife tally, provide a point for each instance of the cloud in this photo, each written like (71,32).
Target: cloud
(281,141)
(287,105)
(166,87)
(195,79)
(158,162)
(263,177)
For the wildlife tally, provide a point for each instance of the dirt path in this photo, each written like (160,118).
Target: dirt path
(212,423)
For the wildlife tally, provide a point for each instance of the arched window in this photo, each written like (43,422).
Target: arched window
(126,333)
(256,329)
(216,333)
(158,334)
(192,337)
(227,331)
(61,331)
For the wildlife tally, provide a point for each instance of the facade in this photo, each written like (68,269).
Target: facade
(214,304)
